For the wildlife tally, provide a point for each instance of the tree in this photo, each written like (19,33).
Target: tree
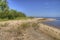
(3,5)
(6,13)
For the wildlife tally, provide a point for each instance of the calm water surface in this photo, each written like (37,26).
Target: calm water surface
(54,23)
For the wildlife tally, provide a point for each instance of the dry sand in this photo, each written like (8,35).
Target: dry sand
(9,32)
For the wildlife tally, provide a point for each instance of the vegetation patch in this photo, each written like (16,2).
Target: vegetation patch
(8,14)
(35,25)
(25,25)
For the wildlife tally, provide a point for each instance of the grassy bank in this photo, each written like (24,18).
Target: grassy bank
(19,18)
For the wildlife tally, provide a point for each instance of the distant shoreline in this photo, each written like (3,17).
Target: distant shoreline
(47,19)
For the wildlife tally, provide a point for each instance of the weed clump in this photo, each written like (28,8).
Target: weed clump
(35,25)
(25,25)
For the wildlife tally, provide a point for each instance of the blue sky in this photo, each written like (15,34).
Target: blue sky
(41,8)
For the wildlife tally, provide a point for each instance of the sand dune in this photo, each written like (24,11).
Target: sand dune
(9,30)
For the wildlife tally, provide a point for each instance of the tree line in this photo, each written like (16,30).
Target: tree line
(6,13)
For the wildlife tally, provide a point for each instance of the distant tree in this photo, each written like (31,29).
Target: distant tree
(14,14)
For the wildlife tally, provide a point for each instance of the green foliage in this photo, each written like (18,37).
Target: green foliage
(5,13)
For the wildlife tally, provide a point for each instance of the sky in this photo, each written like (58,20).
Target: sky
(38,8)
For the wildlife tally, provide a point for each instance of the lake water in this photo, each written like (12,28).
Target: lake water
(54,23)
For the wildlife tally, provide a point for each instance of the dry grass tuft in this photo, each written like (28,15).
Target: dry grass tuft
(35,25)
(4,24)
(25,25)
